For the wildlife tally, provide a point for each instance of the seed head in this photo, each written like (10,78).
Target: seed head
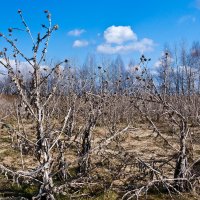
(48,16)
(10,30)
(56,27)
(19,11)
(138,78)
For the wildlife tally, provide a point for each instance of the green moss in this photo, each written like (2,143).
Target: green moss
(6,139)
(109,195)
(167,196)
(62,197)
(26,190)
(73,171)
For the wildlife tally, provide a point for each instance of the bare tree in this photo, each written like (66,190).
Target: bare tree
(35,101)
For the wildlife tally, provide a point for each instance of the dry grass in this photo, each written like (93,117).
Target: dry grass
(139,141)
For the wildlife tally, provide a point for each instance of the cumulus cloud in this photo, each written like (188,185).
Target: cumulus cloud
(119,34)
(22,66)
(80,43)
(157,64)
(142,46)
(122,39)
(76,32)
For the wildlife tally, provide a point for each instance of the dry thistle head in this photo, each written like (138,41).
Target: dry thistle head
(10,30)
(49,16)
(56,27)
(138,77)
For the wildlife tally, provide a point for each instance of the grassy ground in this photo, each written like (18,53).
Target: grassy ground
(140,142)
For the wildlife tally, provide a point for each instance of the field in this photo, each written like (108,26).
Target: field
(119,163)
(98,131)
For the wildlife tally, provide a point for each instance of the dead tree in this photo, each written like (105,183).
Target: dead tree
(35,100)
(172,113)
(94,113)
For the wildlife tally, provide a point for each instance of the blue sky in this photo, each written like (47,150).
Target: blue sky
(106,27)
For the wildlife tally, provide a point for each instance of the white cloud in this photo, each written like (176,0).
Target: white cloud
(119,34)
(186,18)
(76,32)
(23,67)
(157,64)
(122,39)
(80,43)
(142,46)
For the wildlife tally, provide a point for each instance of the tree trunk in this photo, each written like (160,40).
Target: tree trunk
(182,162)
